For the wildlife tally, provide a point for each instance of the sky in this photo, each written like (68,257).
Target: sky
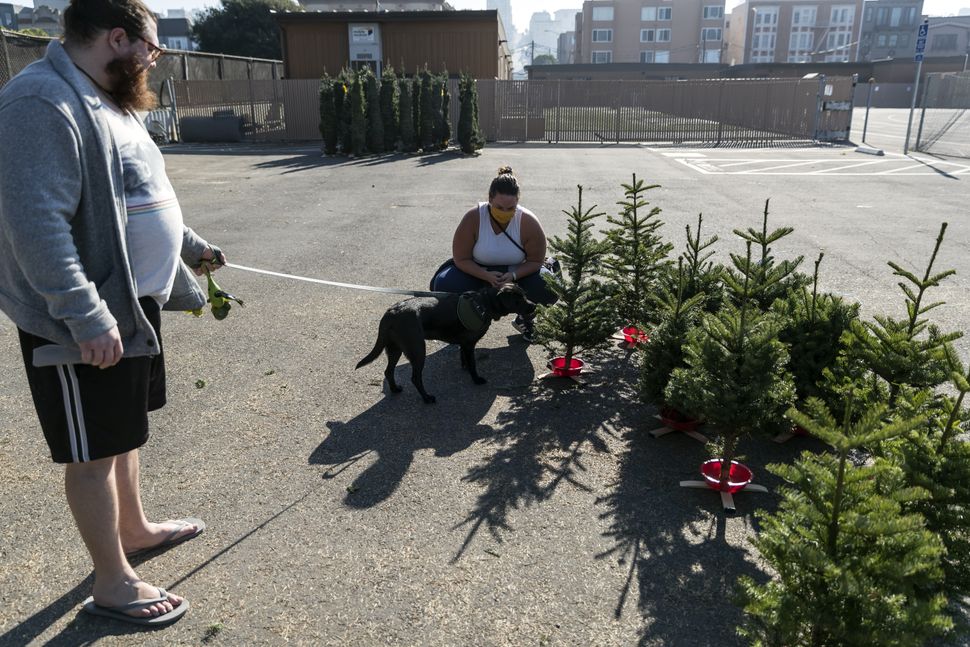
(522,10)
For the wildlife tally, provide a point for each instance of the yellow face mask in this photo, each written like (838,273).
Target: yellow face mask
(501,216)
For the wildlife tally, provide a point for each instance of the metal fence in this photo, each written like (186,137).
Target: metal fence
(702,112)
(18,51)
(709,113)
(944,127)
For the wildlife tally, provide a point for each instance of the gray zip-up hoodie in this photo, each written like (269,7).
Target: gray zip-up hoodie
(65,273)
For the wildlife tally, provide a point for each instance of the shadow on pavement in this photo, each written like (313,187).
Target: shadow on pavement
(391,431)
(543,439)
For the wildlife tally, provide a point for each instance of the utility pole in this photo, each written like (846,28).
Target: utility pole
(532,57)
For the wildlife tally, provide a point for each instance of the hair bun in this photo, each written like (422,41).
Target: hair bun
(505,170)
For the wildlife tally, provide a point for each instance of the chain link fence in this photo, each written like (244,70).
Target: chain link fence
(944,127)
(17,51)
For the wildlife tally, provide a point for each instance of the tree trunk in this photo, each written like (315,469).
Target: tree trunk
(730,447)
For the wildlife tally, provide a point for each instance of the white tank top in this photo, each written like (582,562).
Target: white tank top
(493,249)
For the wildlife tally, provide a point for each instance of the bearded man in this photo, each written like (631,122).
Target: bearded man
(92,246)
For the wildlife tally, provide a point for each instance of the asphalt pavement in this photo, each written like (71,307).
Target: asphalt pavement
(521,512)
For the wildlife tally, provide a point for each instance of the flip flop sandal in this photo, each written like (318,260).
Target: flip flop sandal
(120,612)
(173,539)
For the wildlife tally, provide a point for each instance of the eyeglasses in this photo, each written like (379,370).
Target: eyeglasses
(154,51)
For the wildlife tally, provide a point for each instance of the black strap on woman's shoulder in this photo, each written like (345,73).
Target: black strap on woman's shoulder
(507,235)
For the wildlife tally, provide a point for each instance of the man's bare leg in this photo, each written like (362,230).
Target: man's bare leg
(136,530)
(93,497)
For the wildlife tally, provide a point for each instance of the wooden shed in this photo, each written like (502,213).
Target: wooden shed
(456,41)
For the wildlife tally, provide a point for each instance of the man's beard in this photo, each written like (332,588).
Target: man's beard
(129,85)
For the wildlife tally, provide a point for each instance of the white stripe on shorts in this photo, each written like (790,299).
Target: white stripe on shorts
(74,414)
(81,431)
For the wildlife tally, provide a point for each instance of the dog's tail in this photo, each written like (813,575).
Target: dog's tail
(374,354)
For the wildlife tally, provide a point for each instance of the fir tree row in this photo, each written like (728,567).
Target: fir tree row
(363,115)
(870,544)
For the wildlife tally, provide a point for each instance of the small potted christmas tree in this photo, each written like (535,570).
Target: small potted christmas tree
(390,108)
(735,377)
(581,318)
(813,326)
(683,295)
(636,260)
(852,567)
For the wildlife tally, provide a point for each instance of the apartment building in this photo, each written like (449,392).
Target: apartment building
(650,31)
(794,31)
(889,29)
(949,36)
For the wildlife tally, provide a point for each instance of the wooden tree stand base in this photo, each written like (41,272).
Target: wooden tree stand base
(624,344)
(663,431)
(727,499)
(574,378)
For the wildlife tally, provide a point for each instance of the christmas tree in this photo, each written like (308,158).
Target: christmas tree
(735,376)
(375,120)
(469,134)
(408,137)
(853,568)
(771,280)
(341,105)
(358,116)
(682,295)
(390,108)
(637,256)
(581,319)
(328,115)
(813,325)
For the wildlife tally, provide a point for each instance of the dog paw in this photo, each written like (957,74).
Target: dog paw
(429,399)
(479,380)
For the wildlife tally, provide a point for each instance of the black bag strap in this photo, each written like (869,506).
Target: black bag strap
(507,235)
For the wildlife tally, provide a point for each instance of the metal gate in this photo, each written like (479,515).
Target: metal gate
(706,112)
(944,126)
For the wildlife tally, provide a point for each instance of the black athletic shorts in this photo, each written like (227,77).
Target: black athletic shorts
(89,413)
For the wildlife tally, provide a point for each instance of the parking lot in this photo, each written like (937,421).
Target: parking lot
(515,513)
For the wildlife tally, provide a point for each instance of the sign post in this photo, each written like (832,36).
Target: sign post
(920,47)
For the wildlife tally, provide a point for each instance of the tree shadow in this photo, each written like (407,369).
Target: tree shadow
(395,428)
(682,552)
(543,438)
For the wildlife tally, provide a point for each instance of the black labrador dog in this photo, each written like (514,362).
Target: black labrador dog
(461,319)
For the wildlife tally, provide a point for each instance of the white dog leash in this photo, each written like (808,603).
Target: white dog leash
(352,286)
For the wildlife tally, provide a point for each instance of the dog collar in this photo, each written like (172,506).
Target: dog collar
(471,314)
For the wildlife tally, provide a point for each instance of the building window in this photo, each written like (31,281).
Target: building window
(842,15)
(602,57)
(713,13)
(602,35)
(663,35)
(904,40)
(893,40)
(766,16)
(662,56)
(868,14)
(881,40)
(647,36)
(943,42)
(603,13)
(647,56)
(648,14)
(896,17)
(712,55)
(664,13)
(710,33)
(801,42)
(803,17)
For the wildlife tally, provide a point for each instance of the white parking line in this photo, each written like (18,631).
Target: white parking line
(775,168)
(901,168)
(855,165)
